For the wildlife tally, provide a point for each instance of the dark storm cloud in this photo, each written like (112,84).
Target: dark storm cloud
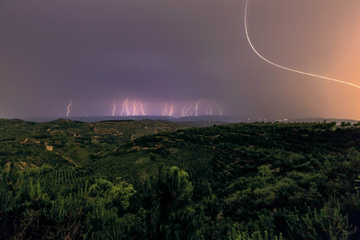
(107,48)
(96,52)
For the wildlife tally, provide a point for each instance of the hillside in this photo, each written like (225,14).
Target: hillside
(64,142)
(115,179)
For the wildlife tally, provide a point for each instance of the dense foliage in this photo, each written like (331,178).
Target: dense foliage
(238,181)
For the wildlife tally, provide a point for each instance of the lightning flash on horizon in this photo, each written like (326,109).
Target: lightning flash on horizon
(210,110)
(135,109)
(171,109)
(168,112)
(196,107)
(183,112)
(246,16)
(113,111)
(219,110)
(165,110)
(68,108)
(125,107)
(141,107)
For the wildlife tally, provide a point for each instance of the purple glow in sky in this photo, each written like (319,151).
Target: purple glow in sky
(95,53)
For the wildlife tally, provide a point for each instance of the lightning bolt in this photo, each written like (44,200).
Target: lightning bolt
(141,107)
(124,107)
(196,107)
(171,109)
(219,110)
(135,110)
(127,108)
(183,111)
(210,110)
(165,110)
(113,112)
(68,108)
(246,15)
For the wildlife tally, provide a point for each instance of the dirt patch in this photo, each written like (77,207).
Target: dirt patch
(21,165)
(48,147)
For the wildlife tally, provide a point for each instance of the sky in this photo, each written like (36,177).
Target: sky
(96,54)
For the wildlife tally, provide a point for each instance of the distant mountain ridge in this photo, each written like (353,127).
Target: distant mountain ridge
(206,118)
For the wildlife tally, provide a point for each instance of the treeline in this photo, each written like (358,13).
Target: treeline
(78,205)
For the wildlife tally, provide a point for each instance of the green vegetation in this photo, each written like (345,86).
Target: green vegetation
(163,180)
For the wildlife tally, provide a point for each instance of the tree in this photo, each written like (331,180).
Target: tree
(172,192)
(357,124)
(117,192)
(13,178)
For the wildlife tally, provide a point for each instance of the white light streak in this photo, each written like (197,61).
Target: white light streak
(247,11)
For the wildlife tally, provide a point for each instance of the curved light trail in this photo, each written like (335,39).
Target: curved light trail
(247,11)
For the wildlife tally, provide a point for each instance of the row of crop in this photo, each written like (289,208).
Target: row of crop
(194,159)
